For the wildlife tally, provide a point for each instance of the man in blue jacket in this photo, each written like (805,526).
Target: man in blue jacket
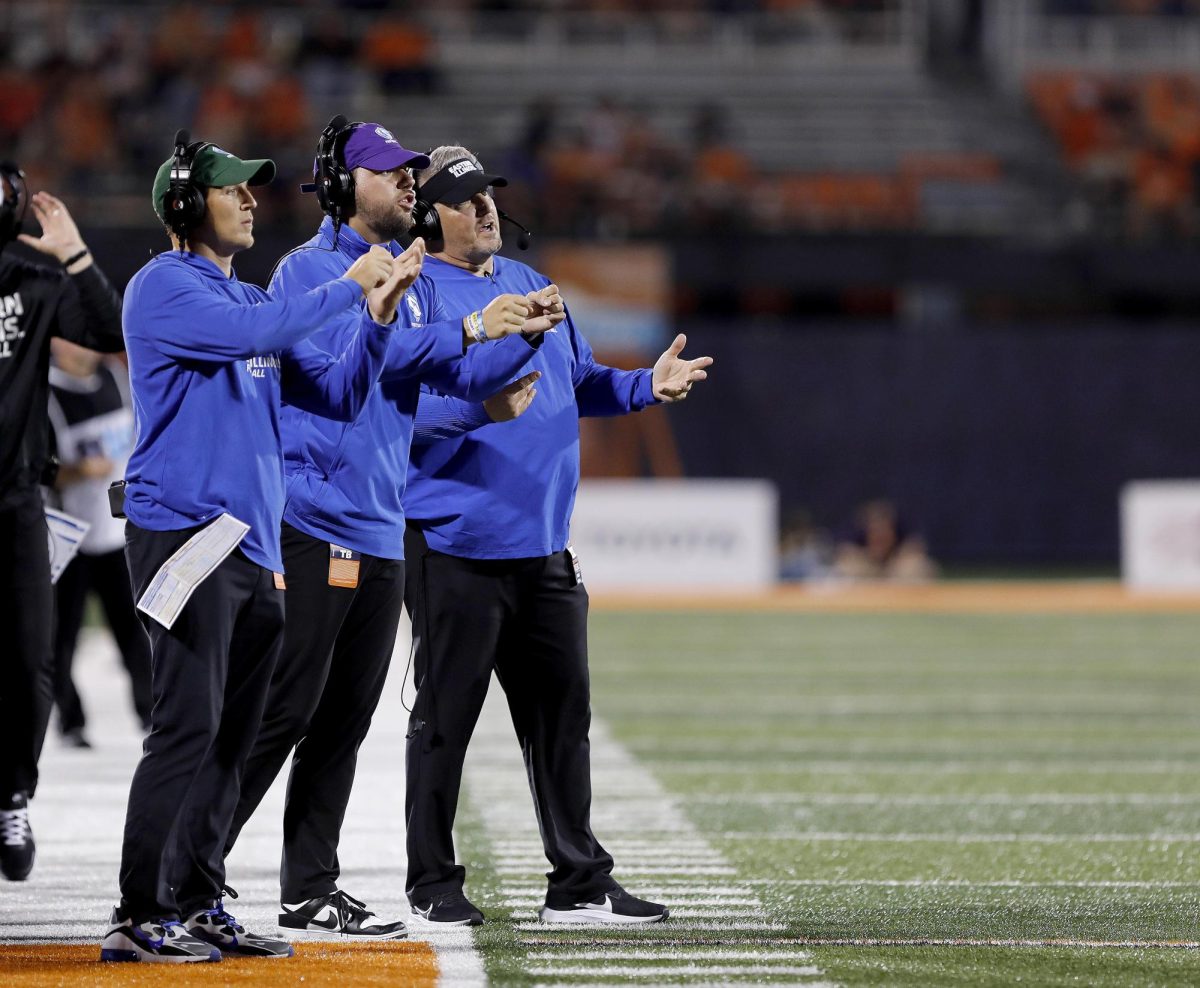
(209,358)
(494,585)
(343,531)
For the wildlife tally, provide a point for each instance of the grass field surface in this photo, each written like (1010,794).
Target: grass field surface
(876,799)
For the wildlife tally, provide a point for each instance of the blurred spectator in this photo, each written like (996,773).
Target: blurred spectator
(92,418)
(805,552)
(401,54)
(880,547)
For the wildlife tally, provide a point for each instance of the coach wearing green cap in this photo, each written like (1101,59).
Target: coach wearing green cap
(209,360)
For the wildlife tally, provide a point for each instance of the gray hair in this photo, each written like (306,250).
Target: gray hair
(439,158)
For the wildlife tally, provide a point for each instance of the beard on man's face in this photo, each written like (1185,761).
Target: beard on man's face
(391,222)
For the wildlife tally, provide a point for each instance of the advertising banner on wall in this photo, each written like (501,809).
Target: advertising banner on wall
(1160,535)
(670,535)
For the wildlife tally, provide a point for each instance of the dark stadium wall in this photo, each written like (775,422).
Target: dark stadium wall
(1000,446)
(1004,443)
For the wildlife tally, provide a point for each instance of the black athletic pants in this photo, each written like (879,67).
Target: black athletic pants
(337,647)
(527,619)
(26,615)
(209,679)
(107,575)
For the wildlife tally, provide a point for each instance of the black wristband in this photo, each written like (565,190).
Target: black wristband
(76,257)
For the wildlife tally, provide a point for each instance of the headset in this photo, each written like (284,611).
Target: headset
(183,204)
(428,224)
(15,204)
(334,183)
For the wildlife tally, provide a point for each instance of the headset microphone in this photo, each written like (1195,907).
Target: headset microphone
(524,237)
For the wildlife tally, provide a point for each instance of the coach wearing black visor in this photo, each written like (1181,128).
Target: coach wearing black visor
(492,582)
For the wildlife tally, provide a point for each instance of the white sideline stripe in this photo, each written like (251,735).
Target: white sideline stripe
(911,838)
(972,942)
(459,963)
(649,835)
(979,799)
(679,970)
(963,883)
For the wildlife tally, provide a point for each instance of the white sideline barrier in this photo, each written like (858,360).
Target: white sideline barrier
(1160,535)
(672,534)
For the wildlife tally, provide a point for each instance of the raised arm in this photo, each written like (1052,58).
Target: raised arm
(89,308)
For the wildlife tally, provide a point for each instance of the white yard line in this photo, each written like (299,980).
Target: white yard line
(659,854)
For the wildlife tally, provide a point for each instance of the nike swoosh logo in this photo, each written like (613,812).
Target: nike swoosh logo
(604,905)
(327,918)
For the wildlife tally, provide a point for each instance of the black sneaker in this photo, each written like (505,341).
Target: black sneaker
(447,909)
(337,914)
(219,928)
(156,941)
(615,906)
(16,838)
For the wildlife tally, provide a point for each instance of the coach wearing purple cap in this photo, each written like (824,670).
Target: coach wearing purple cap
(343,523)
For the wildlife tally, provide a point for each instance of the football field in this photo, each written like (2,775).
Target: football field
(953,790)
(909,798)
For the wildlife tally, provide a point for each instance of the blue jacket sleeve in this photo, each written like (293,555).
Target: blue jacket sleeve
(444,417)
(182,318)
(484,369)
(418,350)
(335,386)
(601,390)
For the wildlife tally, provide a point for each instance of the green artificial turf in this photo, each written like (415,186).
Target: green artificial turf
(912,778)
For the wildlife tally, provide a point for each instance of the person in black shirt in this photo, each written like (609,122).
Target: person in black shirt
(37,302)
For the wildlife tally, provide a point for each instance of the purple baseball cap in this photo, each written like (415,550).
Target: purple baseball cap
(373,146)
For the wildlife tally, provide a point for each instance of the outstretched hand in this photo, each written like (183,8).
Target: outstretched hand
(546,310)
(674,376)
(511,402)
(60,236)
(406,268)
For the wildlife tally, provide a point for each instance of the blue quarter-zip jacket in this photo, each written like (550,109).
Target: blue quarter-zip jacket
(505,490)
(208,358)
(345,481)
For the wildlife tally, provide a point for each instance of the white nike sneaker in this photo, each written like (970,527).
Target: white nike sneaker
(337,914)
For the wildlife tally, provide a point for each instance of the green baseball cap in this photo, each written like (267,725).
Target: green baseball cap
(214,167)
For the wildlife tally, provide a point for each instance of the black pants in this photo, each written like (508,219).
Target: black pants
(209,679)
(107,575)
(26,616)
(337,647)
(527,619)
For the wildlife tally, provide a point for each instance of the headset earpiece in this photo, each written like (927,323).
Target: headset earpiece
(183,203)
(426,223)
(15,203)
(334,181)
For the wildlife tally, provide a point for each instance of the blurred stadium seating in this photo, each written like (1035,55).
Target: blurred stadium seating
(891,213)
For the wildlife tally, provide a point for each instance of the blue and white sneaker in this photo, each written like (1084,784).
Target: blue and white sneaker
(217,927)
(156,941)
(614,907)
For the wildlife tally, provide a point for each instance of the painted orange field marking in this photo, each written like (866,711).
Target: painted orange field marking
(400,964)
(983,597)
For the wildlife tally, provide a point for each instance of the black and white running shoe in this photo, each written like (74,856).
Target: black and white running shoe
(447,909)
(16,838)
(156,941)
(337,914)
(616,907)
(219,928)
